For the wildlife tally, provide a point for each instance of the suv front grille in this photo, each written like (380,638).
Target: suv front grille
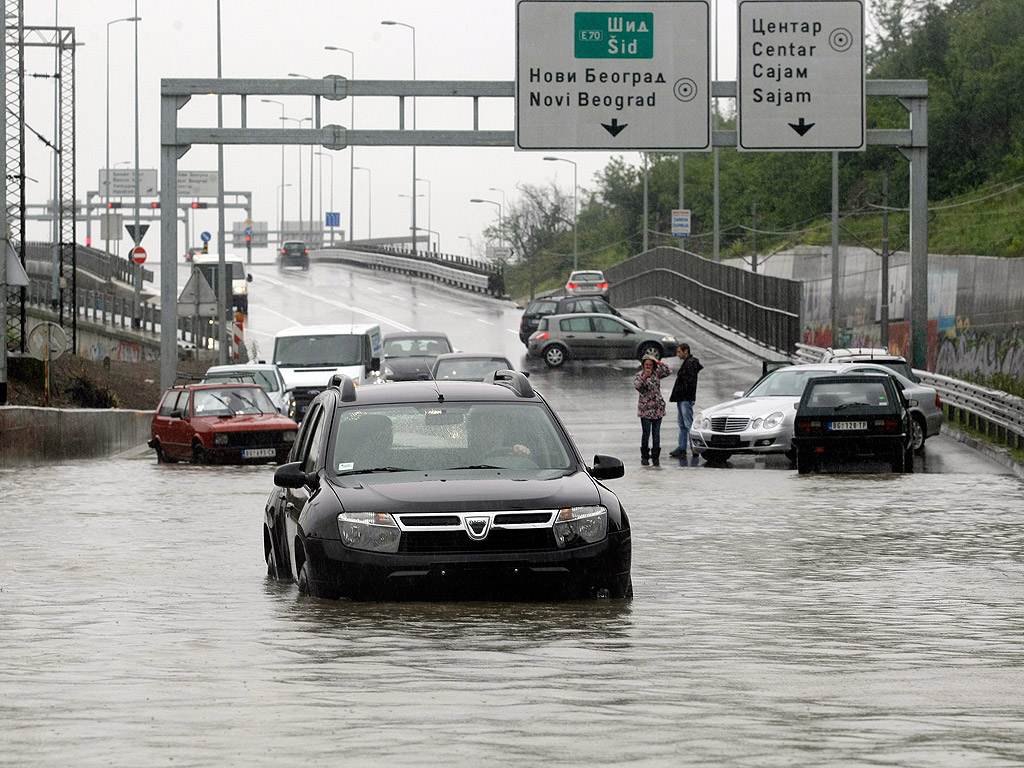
(445,533)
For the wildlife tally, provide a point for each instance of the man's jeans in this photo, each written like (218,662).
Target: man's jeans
(684,412)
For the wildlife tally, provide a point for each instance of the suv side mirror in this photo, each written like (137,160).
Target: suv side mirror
(291,476)
(248,278)
(606,468)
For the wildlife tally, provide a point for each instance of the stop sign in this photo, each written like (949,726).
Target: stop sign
(139,255)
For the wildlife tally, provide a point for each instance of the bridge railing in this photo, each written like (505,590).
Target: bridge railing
(755,306)
(999,415)
(457,271)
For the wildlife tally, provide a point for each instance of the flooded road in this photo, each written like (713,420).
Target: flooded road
(778,619)
(831,619)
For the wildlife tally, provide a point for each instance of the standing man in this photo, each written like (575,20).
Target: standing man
(684,393)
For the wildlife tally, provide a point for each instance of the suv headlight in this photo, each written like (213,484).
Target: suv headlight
(370,531)
(575,526)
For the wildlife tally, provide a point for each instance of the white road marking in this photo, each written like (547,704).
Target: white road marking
(283,317)
(485,322)
(341,305)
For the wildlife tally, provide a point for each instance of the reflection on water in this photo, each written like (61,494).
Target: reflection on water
(778,619)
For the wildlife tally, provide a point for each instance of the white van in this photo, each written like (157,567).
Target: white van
(309,355)
(209,263)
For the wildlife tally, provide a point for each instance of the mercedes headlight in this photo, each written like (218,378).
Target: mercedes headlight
(370,531)
(705,423)
(575,526)
(770,422)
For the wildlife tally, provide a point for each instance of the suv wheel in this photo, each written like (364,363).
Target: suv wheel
(555,355)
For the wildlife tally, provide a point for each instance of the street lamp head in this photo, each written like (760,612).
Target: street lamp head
(552,158)
(389,23)
(477,200)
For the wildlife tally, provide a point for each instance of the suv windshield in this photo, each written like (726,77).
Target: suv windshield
(449,436)
(334,350)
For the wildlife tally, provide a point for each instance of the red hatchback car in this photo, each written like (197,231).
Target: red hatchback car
(223,423)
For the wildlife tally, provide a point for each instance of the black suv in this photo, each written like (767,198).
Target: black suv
(453,489)
(562,305)
(294,253)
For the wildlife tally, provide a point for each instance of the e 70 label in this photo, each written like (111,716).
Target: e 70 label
(614,35)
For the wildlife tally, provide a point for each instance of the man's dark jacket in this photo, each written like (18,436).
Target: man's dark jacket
(685,388)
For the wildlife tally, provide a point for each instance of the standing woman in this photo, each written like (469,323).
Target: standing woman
(651,407)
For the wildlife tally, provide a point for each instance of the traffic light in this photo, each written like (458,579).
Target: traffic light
(154,205)
(88,241)
(113,205)
(248,238)
(200,205)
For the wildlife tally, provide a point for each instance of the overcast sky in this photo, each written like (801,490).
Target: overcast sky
(455,40)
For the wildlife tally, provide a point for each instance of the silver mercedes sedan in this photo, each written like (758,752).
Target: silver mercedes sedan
(760,420)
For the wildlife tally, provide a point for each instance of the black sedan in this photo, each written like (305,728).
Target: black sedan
(410,356)
(454,489)
(853,416)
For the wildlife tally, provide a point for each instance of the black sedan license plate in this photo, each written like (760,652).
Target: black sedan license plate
(845,426)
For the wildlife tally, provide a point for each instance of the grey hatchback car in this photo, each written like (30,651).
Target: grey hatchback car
(591,336)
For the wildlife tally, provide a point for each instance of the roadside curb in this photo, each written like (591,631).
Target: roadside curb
(994,452)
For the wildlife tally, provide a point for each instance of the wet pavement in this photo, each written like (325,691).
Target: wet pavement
(848,618)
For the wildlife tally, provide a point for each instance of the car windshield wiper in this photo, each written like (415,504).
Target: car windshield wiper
(478,466)
(375,469)
(842,406)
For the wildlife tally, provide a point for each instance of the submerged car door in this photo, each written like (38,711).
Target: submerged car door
(294,500)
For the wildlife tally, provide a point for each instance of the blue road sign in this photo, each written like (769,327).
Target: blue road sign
(333,219)
(248,231)
(205,237)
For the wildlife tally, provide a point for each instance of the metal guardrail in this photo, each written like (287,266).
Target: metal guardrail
(999,415)
(456,271)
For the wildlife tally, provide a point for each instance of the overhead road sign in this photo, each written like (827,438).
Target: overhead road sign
(629,75)
(801,84)
(122,182)
(197,183)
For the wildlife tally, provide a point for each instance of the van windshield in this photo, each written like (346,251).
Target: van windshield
(335,351)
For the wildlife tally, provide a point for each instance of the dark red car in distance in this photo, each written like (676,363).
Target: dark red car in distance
(223,423)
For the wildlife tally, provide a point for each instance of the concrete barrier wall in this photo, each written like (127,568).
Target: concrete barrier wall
(43,435)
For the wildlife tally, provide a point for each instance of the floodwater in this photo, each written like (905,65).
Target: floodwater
(779,619)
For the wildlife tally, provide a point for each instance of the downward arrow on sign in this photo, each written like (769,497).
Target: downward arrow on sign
(614,129)
(801,127)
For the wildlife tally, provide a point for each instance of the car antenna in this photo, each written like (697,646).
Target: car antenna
(440,397)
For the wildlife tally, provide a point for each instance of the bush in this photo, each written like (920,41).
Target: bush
(85,394)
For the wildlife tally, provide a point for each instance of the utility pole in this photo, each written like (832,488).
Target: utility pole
(885,260)
(753,230)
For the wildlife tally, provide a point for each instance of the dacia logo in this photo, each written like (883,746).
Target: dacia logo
(478,527)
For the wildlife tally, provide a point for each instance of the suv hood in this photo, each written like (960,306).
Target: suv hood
(475,490)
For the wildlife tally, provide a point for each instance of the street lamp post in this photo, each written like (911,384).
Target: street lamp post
(299,121)
(414,230)
(494,203)
(280,218)
(575,245)
(282,185)
(429,206)
(369,201)
(413,29)
(331,203)
(312,113)
(107,166)
(501,240)
(351,149)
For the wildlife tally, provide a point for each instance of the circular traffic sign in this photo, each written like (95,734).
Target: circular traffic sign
(139,255)
(205,237)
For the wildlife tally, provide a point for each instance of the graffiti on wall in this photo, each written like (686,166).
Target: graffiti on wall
(123,351)
(964,352)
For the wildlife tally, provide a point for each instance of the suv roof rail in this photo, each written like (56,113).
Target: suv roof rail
(346,385)
(514,380)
